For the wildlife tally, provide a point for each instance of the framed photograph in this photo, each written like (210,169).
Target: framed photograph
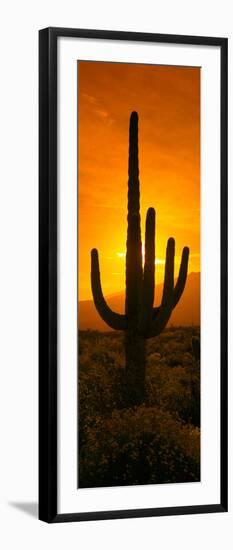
(133,275)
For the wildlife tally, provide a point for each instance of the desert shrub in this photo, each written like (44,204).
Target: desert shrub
(155,443)
(140,446)
(153,345)
(101,387)
(177,358)
(175,390)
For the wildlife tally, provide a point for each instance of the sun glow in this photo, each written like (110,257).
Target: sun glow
(168,103)
(158,261)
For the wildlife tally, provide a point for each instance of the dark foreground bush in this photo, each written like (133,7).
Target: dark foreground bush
(140,446)
(175,390)
(155,443)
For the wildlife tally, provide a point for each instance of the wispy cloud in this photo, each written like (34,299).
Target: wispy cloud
(90,98)
(98,108)
(102,114)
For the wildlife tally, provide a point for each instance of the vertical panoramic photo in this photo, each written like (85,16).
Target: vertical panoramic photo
(138,274)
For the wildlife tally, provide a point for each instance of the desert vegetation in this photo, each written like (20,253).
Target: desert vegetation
(156,441)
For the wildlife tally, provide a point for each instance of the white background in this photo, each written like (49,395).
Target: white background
(18,285)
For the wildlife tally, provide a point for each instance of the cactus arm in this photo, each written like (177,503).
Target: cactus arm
(171,295)
(161,315)
(159,321)
(168,286)
(180,284)
(149,272)
(149,267)
(114,320)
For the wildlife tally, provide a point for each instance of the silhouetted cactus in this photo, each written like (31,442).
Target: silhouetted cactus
(141,319)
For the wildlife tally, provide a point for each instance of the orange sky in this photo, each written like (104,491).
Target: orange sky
(167,100)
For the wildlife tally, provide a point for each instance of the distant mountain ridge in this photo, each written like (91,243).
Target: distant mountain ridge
(186,313)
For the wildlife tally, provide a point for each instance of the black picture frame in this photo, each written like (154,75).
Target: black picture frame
(48,274)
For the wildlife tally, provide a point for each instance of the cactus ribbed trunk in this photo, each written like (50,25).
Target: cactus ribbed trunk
(141,320)
(134,339)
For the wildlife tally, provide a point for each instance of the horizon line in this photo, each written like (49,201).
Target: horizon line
(120,292)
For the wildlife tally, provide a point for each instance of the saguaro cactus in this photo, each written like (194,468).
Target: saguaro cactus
(141,319)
